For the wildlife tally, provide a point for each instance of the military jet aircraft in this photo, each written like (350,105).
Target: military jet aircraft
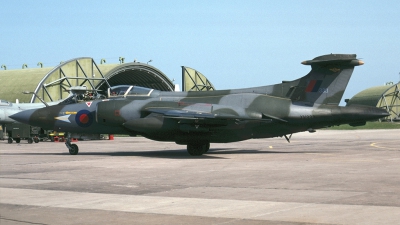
(197,119)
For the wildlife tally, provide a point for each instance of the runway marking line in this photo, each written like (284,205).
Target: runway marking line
(375,145)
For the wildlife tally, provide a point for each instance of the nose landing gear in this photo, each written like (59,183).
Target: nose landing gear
(72,148)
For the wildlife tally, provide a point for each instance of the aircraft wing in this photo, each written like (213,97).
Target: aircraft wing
(205,111)
(191,114)
(187,120)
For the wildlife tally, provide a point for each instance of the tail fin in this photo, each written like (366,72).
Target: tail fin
(326,82)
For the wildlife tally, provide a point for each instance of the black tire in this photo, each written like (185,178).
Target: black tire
(196,149)
(10,140)
(207,147)
(36,140)
(73,150)
(17,140)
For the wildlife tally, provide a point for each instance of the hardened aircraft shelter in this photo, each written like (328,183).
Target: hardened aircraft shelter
(54,84)
(386,97)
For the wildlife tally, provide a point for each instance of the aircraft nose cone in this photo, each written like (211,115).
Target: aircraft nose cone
(23,116)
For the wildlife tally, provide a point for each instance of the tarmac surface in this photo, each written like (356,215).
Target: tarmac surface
(327,177)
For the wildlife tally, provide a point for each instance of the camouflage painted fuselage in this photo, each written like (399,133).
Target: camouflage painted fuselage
(307,103)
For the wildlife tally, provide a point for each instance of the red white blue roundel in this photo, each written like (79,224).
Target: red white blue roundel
(84,118)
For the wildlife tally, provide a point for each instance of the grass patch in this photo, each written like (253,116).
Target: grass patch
(369,125)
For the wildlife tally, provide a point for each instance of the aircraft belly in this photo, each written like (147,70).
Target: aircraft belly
(217,135)
(92,128)
(277,130)
(185,133)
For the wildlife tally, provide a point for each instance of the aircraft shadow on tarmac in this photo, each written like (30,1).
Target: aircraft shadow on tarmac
(173,154)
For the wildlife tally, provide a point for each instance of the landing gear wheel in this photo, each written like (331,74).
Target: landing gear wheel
(198,149)
(30,140)
(73,149)
(10,140)
(207,147)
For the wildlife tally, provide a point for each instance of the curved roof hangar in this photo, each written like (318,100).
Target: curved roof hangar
(386,97)
(139,74)
(52,84)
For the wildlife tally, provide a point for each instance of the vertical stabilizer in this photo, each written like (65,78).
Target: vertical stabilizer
(327,80)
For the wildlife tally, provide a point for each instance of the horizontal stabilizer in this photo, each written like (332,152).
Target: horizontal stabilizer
(342,59)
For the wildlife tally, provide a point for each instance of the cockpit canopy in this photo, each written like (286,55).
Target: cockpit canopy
(128,90)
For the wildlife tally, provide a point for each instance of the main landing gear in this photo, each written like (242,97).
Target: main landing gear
(73,148)
(197,149)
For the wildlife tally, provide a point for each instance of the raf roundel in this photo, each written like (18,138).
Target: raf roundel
(83,118)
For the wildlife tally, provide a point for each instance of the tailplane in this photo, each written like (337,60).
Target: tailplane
(325,83)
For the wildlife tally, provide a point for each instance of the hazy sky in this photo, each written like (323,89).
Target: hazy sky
(234,43)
